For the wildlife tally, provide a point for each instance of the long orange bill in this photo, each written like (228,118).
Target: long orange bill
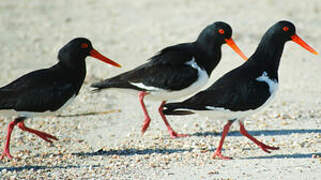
(232,44)
(99,56)
(299,41)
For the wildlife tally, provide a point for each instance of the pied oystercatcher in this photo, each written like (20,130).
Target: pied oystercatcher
(176,71)
(246,89)
(47,91)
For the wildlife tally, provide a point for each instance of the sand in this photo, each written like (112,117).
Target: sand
(110,146)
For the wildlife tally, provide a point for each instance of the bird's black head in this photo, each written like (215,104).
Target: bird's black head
(217,34)
(77,50)
(284,31)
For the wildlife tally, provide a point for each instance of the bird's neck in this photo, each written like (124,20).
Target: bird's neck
(210,56)
(268,54)
(75,72)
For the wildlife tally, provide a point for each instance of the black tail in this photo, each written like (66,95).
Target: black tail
(114,82)
(120,81)
(176,109)
(100,85)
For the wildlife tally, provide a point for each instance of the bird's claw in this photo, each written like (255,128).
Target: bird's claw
(174,135)
(220,156)
(266,148)
(6,154)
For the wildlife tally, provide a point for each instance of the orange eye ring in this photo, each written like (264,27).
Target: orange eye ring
(221,31)
(285,28)
(84,45)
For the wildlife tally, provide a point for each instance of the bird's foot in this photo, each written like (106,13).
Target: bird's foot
(266,148)
(6,153)
(220,156)
(263,146)
(174,135)
(45,136)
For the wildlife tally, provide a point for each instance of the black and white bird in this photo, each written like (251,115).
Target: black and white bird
(246,89)
(176,71)
(47,91)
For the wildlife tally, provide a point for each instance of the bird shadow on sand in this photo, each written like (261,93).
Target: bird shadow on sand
(287,156)
(28,167)
(131,152)
(262,132)
(89,113)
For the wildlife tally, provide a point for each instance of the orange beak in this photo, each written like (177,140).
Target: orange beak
(232,44)
(299,41)
(99,56)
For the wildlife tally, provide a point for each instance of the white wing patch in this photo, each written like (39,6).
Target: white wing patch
(143,86)
(273,84)
(194,64)
(216,108)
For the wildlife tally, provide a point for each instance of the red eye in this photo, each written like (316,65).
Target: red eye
(84,45)
(285,28)
(221,31)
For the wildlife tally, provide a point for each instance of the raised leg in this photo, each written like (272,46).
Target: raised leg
(20,122)
(42,135)
(172,133)
(6,151)
(141,95)
(218,152)
(263,146)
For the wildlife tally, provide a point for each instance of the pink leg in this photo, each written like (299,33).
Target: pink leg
(141,95)
(218,151)
(41,134)
(172,133)
(6,151)
(263,146)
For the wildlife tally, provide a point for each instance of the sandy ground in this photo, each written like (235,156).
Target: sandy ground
(110,146)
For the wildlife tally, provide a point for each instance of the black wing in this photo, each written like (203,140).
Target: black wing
(37,91)
(166,70)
